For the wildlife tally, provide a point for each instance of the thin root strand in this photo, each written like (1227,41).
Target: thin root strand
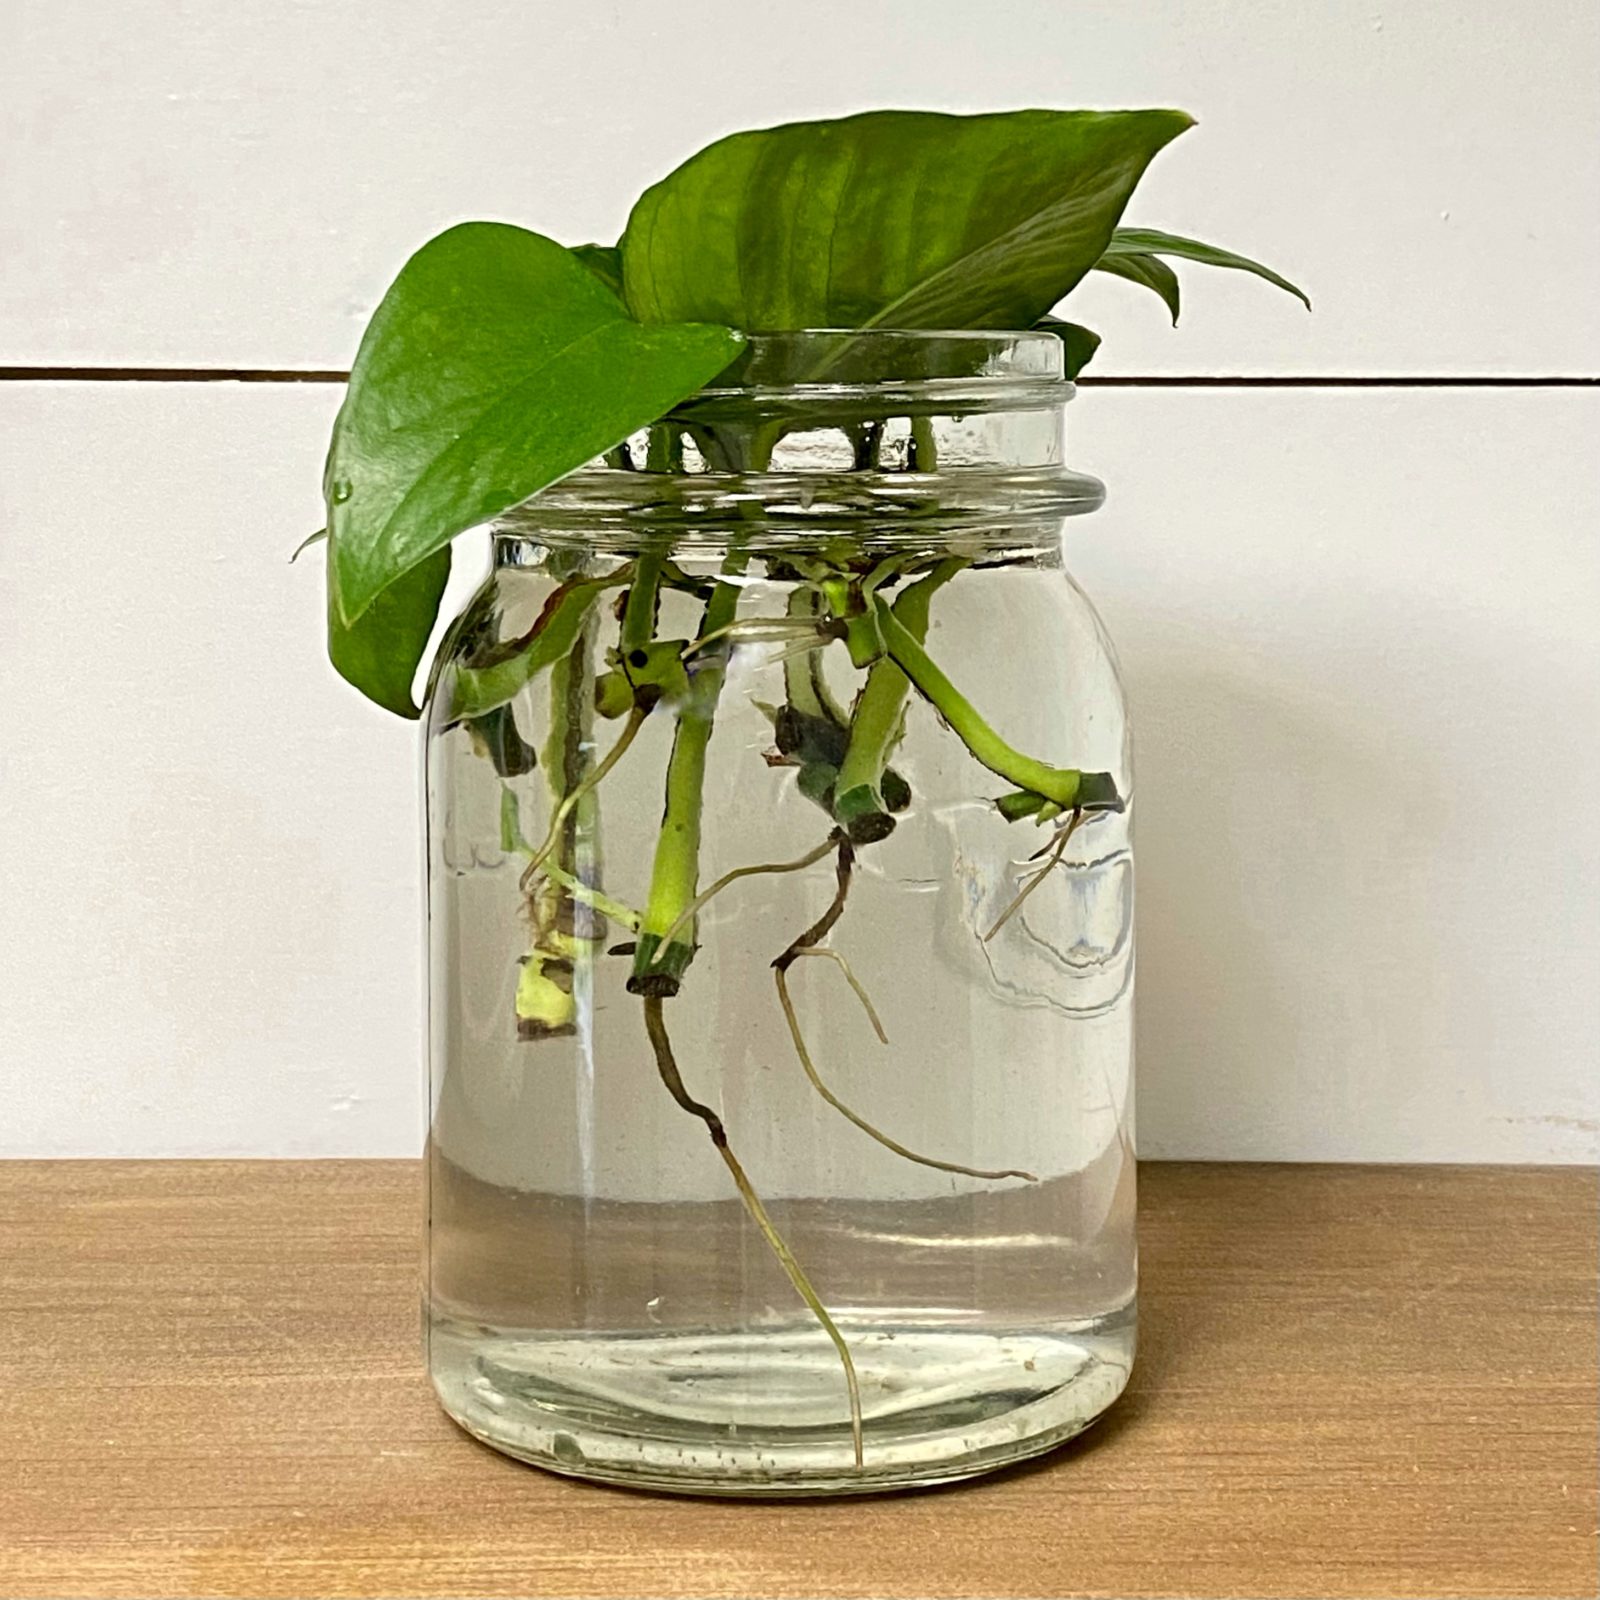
(570,802)
(666,1064)
(1052,852)
(810,943)
(854,982)
(786,1000)
(758,629)
(695,906)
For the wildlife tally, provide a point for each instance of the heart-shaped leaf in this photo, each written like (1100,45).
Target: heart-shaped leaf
(1134,243)
(381,650)
(900,219)
(496,364)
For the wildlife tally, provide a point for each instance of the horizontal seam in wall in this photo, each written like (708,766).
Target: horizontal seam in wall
(19,374)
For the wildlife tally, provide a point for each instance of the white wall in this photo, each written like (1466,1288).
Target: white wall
(1358,624)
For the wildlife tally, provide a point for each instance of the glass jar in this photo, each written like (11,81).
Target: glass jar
(781,942)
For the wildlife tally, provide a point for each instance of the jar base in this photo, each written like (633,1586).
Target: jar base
(763,1413)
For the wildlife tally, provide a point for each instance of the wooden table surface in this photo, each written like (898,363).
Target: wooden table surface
(1353,1381)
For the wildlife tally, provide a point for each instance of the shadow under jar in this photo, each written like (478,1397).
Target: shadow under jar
(781,942)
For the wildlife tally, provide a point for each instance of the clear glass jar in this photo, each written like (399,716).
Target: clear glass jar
(781,942)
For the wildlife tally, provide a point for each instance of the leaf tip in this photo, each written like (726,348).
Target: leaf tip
(306,543)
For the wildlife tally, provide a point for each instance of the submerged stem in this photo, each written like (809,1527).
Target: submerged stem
(804,683)
(878,720)
(498,674)
(1063,786)
(655,1024)
(662,957)
(659,964)
(565,928)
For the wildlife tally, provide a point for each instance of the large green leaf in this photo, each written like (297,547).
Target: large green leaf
(380,651)
(496,364)
(905,219)
(1150,272)
(1137,242)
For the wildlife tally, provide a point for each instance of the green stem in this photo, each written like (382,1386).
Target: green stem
(664,449)
(879,719)
(801,681)
(639,613)
(1060,785)
(566,930)
(664,454)
(498,675)
(675,874)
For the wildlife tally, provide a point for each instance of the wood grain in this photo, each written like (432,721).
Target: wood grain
(1354,1381)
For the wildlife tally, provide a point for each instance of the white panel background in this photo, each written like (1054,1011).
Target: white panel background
(194,182)
(1358,625)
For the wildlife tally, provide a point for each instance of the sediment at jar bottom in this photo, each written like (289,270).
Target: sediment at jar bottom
(645,1342)
(756,1413)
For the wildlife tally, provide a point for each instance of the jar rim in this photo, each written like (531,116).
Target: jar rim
(965,441)
(815,361)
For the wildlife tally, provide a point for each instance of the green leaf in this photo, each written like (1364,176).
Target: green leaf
(380,651)
(1149,271)
(496,364)
(1150,242)
(604,261)
(1078,344)
(902,219)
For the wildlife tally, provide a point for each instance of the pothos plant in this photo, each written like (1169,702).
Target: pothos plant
(500,361)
